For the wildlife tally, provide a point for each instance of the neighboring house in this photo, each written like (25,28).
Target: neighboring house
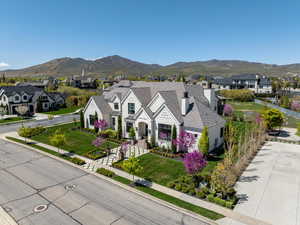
(82,82)
(254,82)
(36,99)
(50,82)
(59,99)
(152,108)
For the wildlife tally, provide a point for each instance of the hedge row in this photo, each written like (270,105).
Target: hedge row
(106,172)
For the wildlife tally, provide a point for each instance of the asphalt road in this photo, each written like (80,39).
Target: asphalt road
(29,179)
(46,122)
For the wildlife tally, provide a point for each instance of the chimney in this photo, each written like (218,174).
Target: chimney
(185,103)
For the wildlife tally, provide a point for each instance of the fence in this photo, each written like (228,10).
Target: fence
(286,111)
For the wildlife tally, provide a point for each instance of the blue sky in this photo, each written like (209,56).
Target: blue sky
(150,31)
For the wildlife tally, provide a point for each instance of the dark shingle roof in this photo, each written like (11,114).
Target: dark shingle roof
(102,104)
(12,90)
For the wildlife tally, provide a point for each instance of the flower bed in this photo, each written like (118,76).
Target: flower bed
(95,154)
(165,154)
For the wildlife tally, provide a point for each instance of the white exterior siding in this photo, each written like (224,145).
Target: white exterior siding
(91,109)
(214,137)
(165,117)
(131,98)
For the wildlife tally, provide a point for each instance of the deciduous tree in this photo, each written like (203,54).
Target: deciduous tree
(132,166)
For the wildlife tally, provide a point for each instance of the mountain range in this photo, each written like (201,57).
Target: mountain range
(117,65)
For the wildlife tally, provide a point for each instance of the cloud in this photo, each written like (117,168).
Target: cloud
(3,64)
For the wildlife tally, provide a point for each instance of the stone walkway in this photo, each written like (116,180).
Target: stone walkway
(113,157)
(106,163)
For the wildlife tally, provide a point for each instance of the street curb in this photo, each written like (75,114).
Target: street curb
(5,218)
(15,122)
(128,188)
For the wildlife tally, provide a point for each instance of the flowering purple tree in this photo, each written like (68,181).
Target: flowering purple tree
(101,124)
(228,110)
(184,140)
(295,106)
(194,162)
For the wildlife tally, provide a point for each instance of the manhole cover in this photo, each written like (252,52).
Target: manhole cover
(70,187)
(40,208)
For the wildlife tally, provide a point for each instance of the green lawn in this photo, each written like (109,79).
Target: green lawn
(246,106)
(64,110)
(178,202)
(252,106)
(78,141)
(162,170)
(11,119)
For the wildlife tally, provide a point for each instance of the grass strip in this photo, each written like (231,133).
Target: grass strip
(175,201)
(62,156)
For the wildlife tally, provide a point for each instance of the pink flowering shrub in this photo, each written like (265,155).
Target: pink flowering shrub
(295,106)
(194,162)
(228,110)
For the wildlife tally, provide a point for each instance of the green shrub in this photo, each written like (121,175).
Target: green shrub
(229,204)
(178,187)
(298,129)
(77,161)
(110,133)
(192,191)
(171,184)
(210,197)
(185,189)
(106,172)
(201,194)
(205,190)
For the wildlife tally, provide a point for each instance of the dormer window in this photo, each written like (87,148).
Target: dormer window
(116,106)
(131,108)
(17,98)
(24,97)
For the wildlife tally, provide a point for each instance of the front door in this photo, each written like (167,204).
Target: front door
(146,131)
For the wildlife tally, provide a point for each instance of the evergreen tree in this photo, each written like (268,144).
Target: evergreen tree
(96,127)
(119,127)
(174,136)
(203,144)
(81,119)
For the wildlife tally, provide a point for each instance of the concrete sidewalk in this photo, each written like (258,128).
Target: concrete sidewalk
(230,214)
(5,218)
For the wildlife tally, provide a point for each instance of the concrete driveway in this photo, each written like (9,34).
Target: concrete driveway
(72,196)
(270,186)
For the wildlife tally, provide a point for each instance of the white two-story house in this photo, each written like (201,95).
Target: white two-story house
(152,108)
